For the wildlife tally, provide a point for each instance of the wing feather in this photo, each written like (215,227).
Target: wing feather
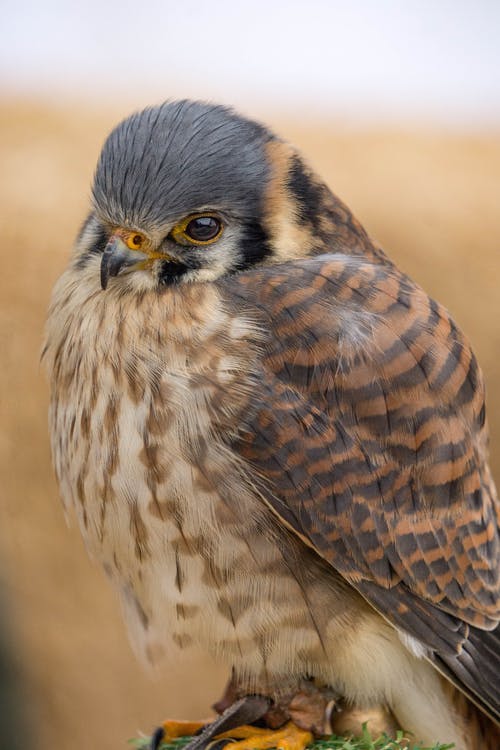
(368,426)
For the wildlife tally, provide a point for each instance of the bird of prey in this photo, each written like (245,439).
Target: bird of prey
(274,440)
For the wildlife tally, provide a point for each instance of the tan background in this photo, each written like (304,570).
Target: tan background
(431,199)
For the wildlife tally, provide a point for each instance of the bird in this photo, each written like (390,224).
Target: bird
(274,441)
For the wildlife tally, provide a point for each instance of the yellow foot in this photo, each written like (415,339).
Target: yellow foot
(173,729)
(289,737)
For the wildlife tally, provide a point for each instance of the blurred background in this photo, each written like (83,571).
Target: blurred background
(396,104)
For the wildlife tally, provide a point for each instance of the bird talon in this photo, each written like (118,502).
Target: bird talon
(289,737)
(157,738)
(238,714)
(173,728)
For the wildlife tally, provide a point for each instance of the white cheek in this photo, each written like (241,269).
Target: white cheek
(218,259)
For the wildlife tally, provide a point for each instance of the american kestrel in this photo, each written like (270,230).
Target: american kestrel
(273,439)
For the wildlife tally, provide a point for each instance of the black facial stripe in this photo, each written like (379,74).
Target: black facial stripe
(171,272)
(254,246)
(309,195)
(100,241)
(97,246)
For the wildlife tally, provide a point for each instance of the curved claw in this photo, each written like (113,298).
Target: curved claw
(288,737)
(156,738)
(244,711)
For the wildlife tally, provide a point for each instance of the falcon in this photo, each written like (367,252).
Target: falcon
(275,441)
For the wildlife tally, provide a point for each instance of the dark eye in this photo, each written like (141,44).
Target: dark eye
(203,228)
(197,230)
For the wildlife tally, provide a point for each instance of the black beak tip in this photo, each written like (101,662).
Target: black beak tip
(106,265)
(104,279)
(114,257)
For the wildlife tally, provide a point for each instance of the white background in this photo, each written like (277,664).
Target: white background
(434,60)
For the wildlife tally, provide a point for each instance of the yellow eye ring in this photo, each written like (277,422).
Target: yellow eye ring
(198,229)
(134,240)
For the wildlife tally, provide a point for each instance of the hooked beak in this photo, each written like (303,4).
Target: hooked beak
(116,256)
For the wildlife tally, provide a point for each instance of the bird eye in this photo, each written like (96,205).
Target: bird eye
(198,230)
(134,240)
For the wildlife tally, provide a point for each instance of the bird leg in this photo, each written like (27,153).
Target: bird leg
(306,708)
(291,721)
(309,706)
(311,715)
(289,737)
(244,711)
(318,709)
(174,728)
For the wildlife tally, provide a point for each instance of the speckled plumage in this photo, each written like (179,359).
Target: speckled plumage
(276,444)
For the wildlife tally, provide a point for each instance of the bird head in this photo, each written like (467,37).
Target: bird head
(189,191)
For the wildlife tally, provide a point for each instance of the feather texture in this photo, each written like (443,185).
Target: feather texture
(368,425)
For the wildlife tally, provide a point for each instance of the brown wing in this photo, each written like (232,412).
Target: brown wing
(368,431)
